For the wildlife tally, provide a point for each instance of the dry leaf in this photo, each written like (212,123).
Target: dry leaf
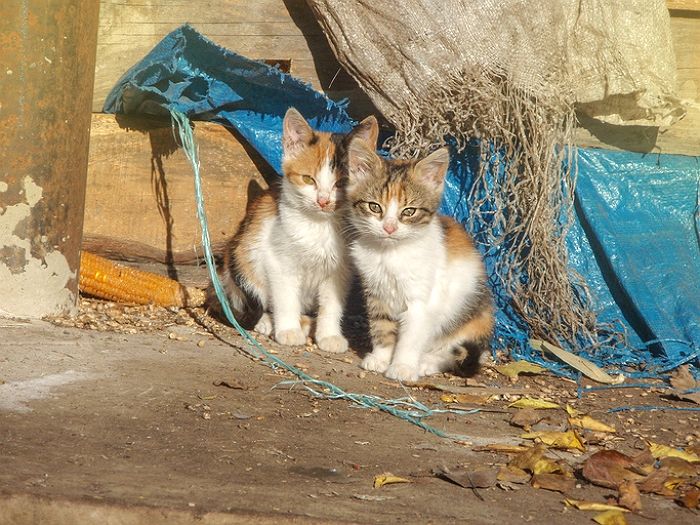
(588,423)
(592,505)
(682,379)
(555,482)
(680,467)
(510,474)
(387,478)
(654,483)
(525,418)
(629,496)
(609,468)
(582,365)
(464,398)
(566,440)
(611,517)
(537,404)
(502,448)
(482,478)
(516,368)
(571,410)
(672,483)
(690,499)
(535,461)
(664,451)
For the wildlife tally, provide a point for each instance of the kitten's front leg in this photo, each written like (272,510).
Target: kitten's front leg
(331,299)
(414,337)
(286,309)
(383,330)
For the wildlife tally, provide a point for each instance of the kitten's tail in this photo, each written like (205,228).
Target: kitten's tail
(246,309)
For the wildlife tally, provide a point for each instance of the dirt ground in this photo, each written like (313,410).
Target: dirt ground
(128,415)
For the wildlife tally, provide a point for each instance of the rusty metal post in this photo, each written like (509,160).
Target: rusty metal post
(47,68)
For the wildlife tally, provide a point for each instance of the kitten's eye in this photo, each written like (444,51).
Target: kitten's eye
(408,212)
(308,180)
(374,207)
(340,183)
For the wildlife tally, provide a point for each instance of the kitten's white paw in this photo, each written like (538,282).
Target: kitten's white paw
(264,325)
(428,368)
(375,363)
(336,344)
(294,337)
(403,372)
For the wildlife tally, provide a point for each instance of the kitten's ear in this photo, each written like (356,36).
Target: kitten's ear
(296,132)
(432,169)
(367,130)
(362,160)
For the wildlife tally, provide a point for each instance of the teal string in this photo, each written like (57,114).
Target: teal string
(416,411)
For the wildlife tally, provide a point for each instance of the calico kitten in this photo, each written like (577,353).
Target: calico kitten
(425,284)
(289,258)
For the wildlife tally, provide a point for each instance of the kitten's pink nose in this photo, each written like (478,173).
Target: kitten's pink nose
(322,201)
(389,227)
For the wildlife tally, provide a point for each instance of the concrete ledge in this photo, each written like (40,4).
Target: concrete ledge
(21,509)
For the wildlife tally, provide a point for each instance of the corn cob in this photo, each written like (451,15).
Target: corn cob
(102,278)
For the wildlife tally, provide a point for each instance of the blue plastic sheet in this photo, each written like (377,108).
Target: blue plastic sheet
(635,241)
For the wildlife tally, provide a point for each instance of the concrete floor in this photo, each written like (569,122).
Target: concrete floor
(110,427)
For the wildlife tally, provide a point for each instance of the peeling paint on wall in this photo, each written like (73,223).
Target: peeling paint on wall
(31,286)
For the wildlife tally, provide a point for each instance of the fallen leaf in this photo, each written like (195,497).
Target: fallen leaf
(629,496)
(535,461)
(592,505)
(682,379)
(609,468)
(566,440)
(372,497)
(529,402)
(502,448)
(571,410)
(582,365)
(230,383)
(680,467)
(511,474)
(690,499)
(672,483)
(482,478)
(610,517)
(514,369)
(654,483)
(664,451)
(555,482)
(588,423)
(464,398)
(387,478)
(525,418)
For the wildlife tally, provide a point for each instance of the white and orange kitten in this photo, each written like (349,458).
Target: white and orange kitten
(289,258)
(425,285)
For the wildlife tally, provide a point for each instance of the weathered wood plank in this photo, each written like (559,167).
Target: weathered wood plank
(140,191)
(279,29)
(684,5)
(684,136)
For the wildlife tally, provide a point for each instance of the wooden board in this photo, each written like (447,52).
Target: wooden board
(263,29)
(140,200)
(286,29)
(684,136)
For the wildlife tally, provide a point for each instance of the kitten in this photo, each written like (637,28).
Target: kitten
(289,257)
(424,282)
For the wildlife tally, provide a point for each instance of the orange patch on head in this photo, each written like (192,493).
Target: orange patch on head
(310,160)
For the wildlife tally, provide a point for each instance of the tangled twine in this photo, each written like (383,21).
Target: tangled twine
(521,201)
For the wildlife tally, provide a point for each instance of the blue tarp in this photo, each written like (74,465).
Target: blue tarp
(636,236)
